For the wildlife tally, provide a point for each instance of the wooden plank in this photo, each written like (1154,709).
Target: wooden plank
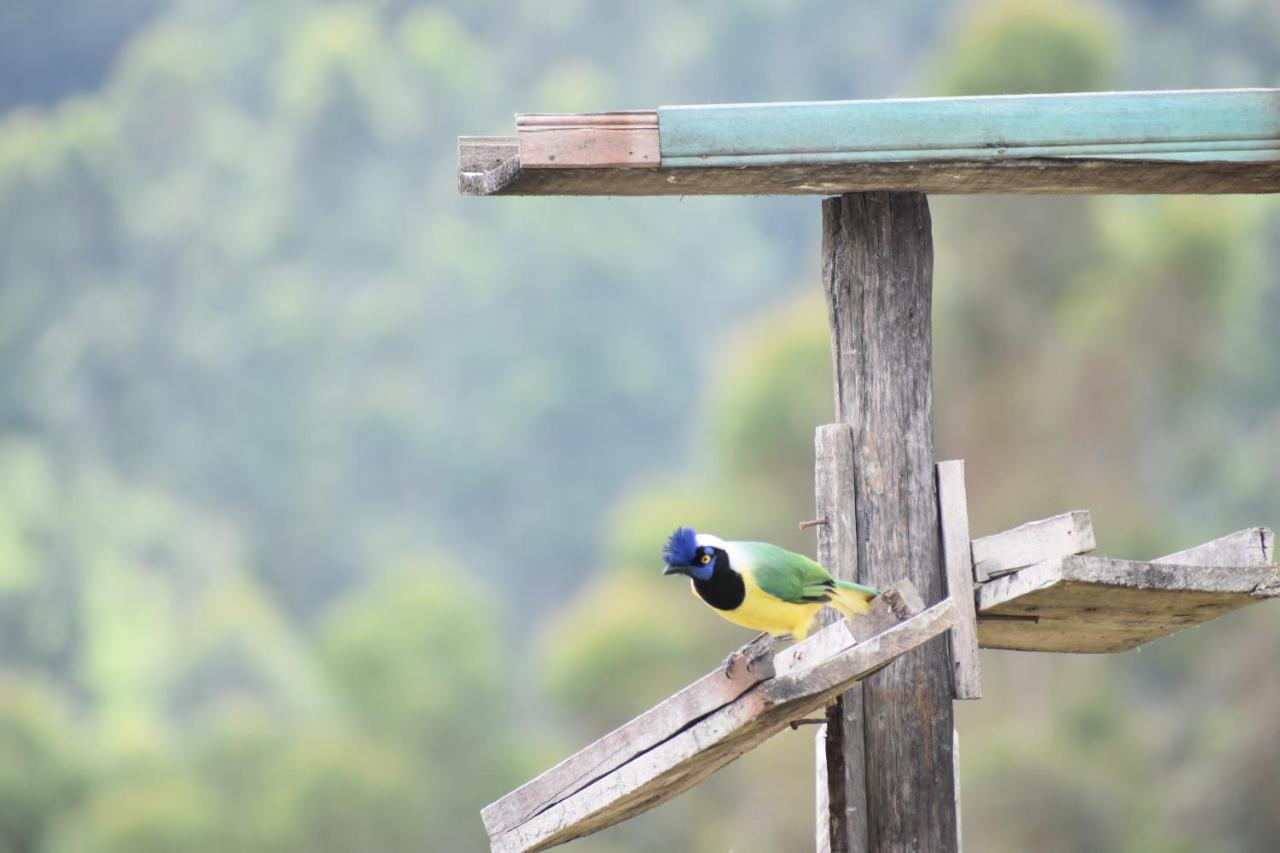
(1031,543)
(1039,175)
(1253,546)
(1186,126)
(842,808)
(955,757)
(705,695)
(877,267)
(822,812)
(693,753)
(1223,141)
(953,518)
(1093,604)
(623,140)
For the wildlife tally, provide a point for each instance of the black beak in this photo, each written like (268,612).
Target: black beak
(676,570)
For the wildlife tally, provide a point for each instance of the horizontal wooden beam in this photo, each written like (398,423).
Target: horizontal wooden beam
(1216,141)
(680,742)
(1099,604)
(1038,176)
(1033,542)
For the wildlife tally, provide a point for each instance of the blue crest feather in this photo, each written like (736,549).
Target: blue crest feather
(681,547)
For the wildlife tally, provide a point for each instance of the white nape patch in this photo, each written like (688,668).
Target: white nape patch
(713,541)
(735,556)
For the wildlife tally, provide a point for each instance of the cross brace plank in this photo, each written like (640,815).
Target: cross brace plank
(687,737)
(957,559)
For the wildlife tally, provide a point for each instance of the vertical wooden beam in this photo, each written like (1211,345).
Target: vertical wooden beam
(842,810)
(877,266)
(957,557)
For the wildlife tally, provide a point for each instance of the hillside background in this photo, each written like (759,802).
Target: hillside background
(330,501)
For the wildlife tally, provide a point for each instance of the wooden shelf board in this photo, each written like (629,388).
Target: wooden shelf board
(1094,604)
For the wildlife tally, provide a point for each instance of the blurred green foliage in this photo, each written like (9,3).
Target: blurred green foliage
(330,501)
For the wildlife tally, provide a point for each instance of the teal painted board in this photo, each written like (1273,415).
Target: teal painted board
(1190,126)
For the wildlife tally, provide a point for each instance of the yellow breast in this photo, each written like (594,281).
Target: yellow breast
(762,612)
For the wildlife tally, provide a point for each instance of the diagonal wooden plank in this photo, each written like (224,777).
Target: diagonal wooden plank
(802,685)
(957,560)
(707,694)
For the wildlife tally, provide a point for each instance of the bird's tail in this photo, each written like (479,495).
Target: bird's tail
(851,598)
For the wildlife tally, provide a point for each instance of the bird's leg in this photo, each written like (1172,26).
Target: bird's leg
(752,651)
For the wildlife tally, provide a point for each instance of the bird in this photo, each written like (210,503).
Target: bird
(760,586)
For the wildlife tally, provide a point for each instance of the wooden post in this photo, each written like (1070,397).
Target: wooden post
(842,807)
(877,268)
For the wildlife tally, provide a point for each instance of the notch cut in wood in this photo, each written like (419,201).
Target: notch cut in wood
(684,739)
(1098,604)
(1031,543)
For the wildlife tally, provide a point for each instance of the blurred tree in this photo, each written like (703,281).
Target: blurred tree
(52,52)
(162,809)
(1029,47)
(42,771)
(333,791)
(417,659)
(256,348)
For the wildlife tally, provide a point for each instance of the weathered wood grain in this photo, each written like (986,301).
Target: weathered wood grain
(487,164)
(705,695)
(822,801)
(842,808)
(955,760)
(1031,543)
(953,517)
(705,744)
(877,267)
(1091,604)
(1039,176)
(624,140)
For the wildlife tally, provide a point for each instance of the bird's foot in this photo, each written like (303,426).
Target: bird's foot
(754,651)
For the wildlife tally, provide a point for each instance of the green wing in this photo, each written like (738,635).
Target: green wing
(784,574)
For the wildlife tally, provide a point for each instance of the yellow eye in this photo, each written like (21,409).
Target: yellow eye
(705,559)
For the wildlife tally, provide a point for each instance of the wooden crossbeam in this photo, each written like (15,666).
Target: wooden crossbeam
(1210,141)
(707,725)
(1100,604)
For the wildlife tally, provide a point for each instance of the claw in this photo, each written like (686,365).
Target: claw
(757,649)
